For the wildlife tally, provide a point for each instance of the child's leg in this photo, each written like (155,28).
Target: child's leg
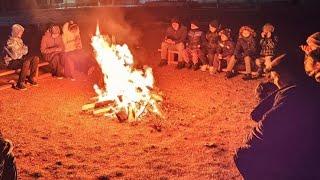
(267,62)
(247,61)
(34,61)
(231,63)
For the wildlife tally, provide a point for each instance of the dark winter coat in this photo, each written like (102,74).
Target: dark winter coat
(178,36)
(226,48)
(268,46)
(245,47)
(7,163)
(212,40)
(285,144)
(196,39)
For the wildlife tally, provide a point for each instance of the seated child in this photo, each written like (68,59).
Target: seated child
(16,56)
(195,41)
(245,49)
(268,44)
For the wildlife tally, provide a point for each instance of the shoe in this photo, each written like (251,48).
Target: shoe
(260,72)
(180,65)
(163,62)
(190,65)
(33,83)
(204,68)
(21,87)
(196,66)
(59,77)
(247,77)
(212,70)
(230,74)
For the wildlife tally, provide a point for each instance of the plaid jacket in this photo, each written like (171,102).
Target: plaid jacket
(268,46)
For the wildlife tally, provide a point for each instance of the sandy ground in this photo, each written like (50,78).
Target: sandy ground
(55,140)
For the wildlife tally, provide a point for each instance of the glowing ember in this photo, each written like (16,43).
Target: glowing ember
(128,92)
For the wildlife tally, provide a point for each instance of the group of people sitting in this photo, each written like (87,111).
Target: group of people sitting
(63,51)
(207,51)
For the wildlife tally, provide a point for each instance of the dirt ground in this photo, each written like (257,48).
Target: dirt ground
(54,140)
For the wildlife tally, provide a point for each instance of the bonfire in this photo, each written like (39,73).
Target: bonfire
(128,93)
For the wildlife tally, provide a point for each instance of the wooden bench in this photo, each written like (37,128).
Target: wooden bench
(171,56)
(6,72)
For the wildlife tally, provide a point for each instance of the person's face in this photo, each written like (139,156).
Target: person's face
(55,30)
(224,37)
(212,29)
(246,33)
(194,26)
(175,26)
(20,34)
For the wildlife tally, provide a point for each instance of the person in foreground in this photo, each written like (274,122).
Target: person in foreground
(285,142)
(8,170)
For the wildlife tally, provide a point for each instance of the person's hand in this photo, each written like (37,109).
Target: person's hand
(306,48)
(219,56)
(268,34)
(58,49)
(263,34)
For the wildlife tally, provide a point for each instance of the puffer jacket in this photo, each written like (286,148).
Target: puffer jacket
(226,48)
(71,40)
(212,40)
(14,49)
(245,47)
(196,39)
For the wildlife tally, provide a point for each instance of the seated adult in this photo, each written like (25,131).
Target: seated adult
(16,56)
(312,56)
(75,57)
(285,143)
(175,38)
(52,50)
(8,170)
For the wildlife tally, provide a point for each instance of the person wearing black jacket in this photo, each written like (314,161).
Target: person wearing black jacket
(193,54)
(8,170)
(175,38)
(285,142)
(245,49)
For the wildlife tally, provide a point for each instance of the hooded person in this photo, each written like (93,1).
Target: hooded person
(268,44)
(52,49)
(225,49)
(8,170)
(175,38)
(245,49)
(211,47)
(75,57)
(284,144)
(16,56)
(193,54)
(312,56)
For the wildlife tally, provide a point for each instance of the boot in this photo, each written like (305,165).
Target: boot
(180,65)
(190,65)
(196,66)
(247,77)
(163,62)
(230,74)
(212,70)
(204,68)
(260,71)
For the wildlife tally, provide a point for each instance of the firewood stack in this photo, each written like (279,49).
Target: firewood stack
(131,113)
